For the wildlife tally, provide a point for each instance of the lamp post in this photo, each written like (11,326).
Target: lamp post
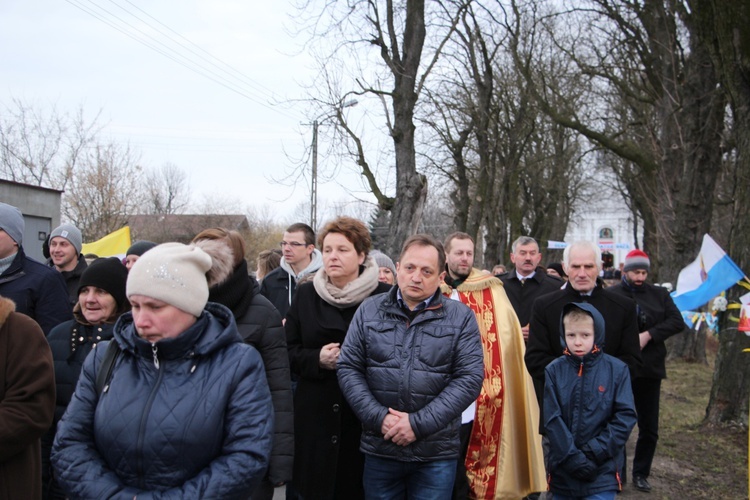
(314,179)
(314,174)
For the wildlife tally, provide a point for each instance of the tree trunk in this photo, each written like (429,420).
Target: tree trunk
(729,393)
(724,29)
(411,187)
(690,345)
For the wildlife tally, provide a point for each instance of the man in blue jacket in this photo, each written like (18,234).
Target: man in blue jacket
(37,290)
(410,364)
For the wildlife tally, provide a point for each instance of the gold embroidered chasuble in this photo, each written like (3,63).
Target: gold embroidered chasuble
(504,459)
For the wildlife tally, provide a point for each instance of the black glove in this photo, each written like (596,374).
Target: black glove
(586,471)
(586,449)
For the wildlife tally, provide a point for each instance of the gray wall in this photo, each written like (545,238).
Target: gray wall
(41,211)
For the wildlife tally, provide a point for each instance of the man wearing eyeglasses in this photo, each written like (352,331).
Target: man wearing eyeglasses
(300,258)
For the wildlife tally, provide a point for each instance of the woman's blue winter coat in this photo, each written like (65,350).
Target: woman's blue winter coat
(199,425)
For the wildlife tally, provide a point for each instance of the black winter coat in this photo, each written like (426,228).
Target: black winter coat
(621,330)
(259,324)
(72,278)
(70,342)
(657,314)
(38,291)
(522,296)
(328,463)
(276,288)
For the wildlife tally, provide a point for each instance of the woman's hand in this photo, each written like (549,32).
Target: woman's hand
(329,354)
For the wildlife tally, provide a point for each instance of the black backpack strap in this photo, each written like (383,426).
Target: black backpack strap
(105,368)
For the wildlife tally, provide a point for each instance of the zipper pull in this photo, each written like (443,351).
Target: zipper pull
(580,369)
(156,356)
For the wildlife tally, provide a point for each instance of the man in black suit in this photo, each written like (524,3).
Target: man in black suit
(528,281)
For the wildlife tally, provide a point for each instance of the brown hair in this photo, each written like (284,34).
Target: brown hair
(576,314)
(301,227)
(232,238)
(268,260)
(458,235)
(352,229)
(425,240)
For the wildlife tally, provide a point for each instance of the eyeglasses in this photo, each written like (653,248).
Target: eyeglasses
(293,244)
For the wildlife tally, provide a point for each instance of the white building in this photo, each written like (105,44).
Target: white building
(609,224)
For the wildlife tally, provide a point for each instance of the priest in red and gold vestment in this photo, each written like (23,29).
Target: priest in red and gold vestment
(504,458)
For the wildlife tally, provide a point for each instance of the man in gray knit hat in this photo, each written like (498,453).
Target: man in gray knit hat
(37,290)
(65,243)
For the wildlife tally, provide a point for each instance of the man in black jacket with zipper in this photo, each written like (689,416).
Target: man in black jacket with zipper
(658,319)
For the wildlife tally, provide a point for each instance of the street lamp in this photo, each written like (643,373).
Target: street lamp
(314,176)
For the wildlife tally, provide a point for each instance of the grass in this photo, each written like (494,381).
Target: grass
(695,460)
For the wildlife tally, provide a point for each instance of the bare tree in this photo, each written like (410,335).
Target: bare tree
(106,189)
(42,148)
(265,233)
(168,190)
(641,63)
(512,171)
(399,34)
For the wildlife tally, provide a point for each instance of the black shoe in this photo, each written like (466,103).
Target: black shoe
(641,484)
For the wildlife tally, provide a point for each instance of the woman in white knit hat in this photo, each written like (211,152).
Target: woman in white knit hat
(186,411)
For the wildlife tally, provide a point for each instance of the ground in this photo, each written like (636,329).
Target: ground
(694,461)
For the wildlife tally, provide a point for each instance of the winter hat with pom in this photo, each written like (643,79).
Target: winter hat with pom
(636,259)
(222,257)
(173,273)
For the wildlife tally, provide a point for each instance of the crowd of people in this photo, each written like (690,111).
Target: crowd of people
(334,369)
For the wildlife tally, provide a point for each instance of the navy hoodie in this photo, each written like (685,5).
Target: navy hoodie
(588,415)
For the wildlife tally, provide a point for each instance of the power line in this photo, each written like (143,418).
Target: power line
(257,85)
(170,52)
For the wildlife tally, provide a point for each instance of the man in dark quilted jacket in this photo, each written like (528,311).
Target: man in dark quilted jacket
(410,364)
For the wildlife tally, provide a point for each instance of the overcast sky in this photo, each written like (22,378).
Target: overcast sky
(215,121)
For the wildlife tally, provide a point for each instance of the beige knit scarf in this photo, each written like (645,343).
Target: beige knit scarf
(353,292)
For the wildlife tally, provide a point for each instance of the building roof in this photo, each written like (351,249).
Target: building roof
(181,227)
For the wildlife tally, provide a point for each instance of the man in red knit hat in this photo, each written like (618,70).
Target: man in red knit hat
(658,319)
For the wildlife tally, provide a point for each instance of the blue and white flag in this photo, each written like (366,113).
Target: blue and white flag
(556,245)
(706,277)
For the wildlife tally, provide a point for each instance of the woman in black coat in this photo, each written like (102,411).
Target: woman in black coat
(259,324)
(327,460)
(101,300)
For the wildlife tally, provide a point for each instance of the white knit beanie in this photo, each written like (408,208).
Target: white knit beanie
(173,273)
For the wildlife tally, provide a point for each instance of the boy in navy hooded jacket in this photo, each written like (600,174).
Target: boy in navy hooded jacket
(588,410)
